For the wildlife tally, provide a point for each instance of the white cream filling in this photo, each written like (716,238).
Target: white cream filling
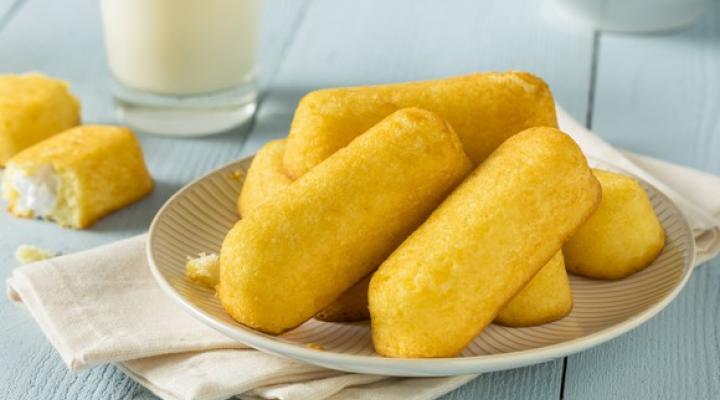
(36,193)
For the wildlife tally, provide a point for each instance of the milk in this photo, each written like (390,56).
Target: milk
(181,47)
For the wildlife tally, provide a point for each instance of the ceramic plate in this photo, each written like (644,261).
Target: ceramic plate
(197,218)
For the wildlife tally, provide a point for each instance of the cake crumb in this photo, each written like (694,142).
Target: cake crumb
(26,254)
(204,269)
(315,346)
(236,175)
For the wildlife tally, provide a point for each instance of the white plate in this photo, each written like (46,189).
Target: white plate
(197,217)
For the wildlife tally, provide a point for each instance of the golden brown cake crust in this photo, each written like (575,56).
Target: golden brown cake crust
(33,107)
(622,237)
(481,246)
(483,108)
(292,256)
(264,178)
(546,298)
(101,169)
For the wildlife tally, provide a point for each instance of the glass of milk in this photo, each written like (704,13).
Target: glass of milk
(182,67)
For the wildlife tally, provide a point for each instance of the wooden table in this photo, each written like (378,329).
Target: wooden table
(655,94)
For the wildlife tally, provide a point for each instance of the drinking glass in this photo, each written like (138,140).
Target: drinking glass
(182,67)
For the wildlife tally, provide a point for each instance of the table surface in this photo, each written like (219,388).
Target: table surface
(653,94)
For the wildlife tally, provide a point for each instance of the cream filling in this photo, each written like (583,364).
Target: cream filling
(36,193)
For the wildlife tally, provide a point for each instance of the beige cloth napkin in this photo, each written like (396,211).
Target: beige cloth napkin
(102,306)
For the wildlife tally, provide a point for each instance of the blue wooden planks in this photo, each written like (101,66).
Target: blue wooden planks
(660,94)
(8,8)
(541,381)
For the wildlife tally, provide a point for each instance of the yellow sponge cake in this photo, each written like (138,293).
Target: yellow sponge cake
(33,107)
(484,109)
(294,255)
(449,279)
(264,178)
(78,176)
(622,237)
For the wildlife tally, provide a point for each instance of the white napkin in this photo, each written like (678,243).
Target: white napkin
(102,306)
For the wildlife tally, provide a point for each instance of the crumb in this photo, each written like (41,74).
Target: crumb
(314,346)
(236,175)
(204,269)
(26,254)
